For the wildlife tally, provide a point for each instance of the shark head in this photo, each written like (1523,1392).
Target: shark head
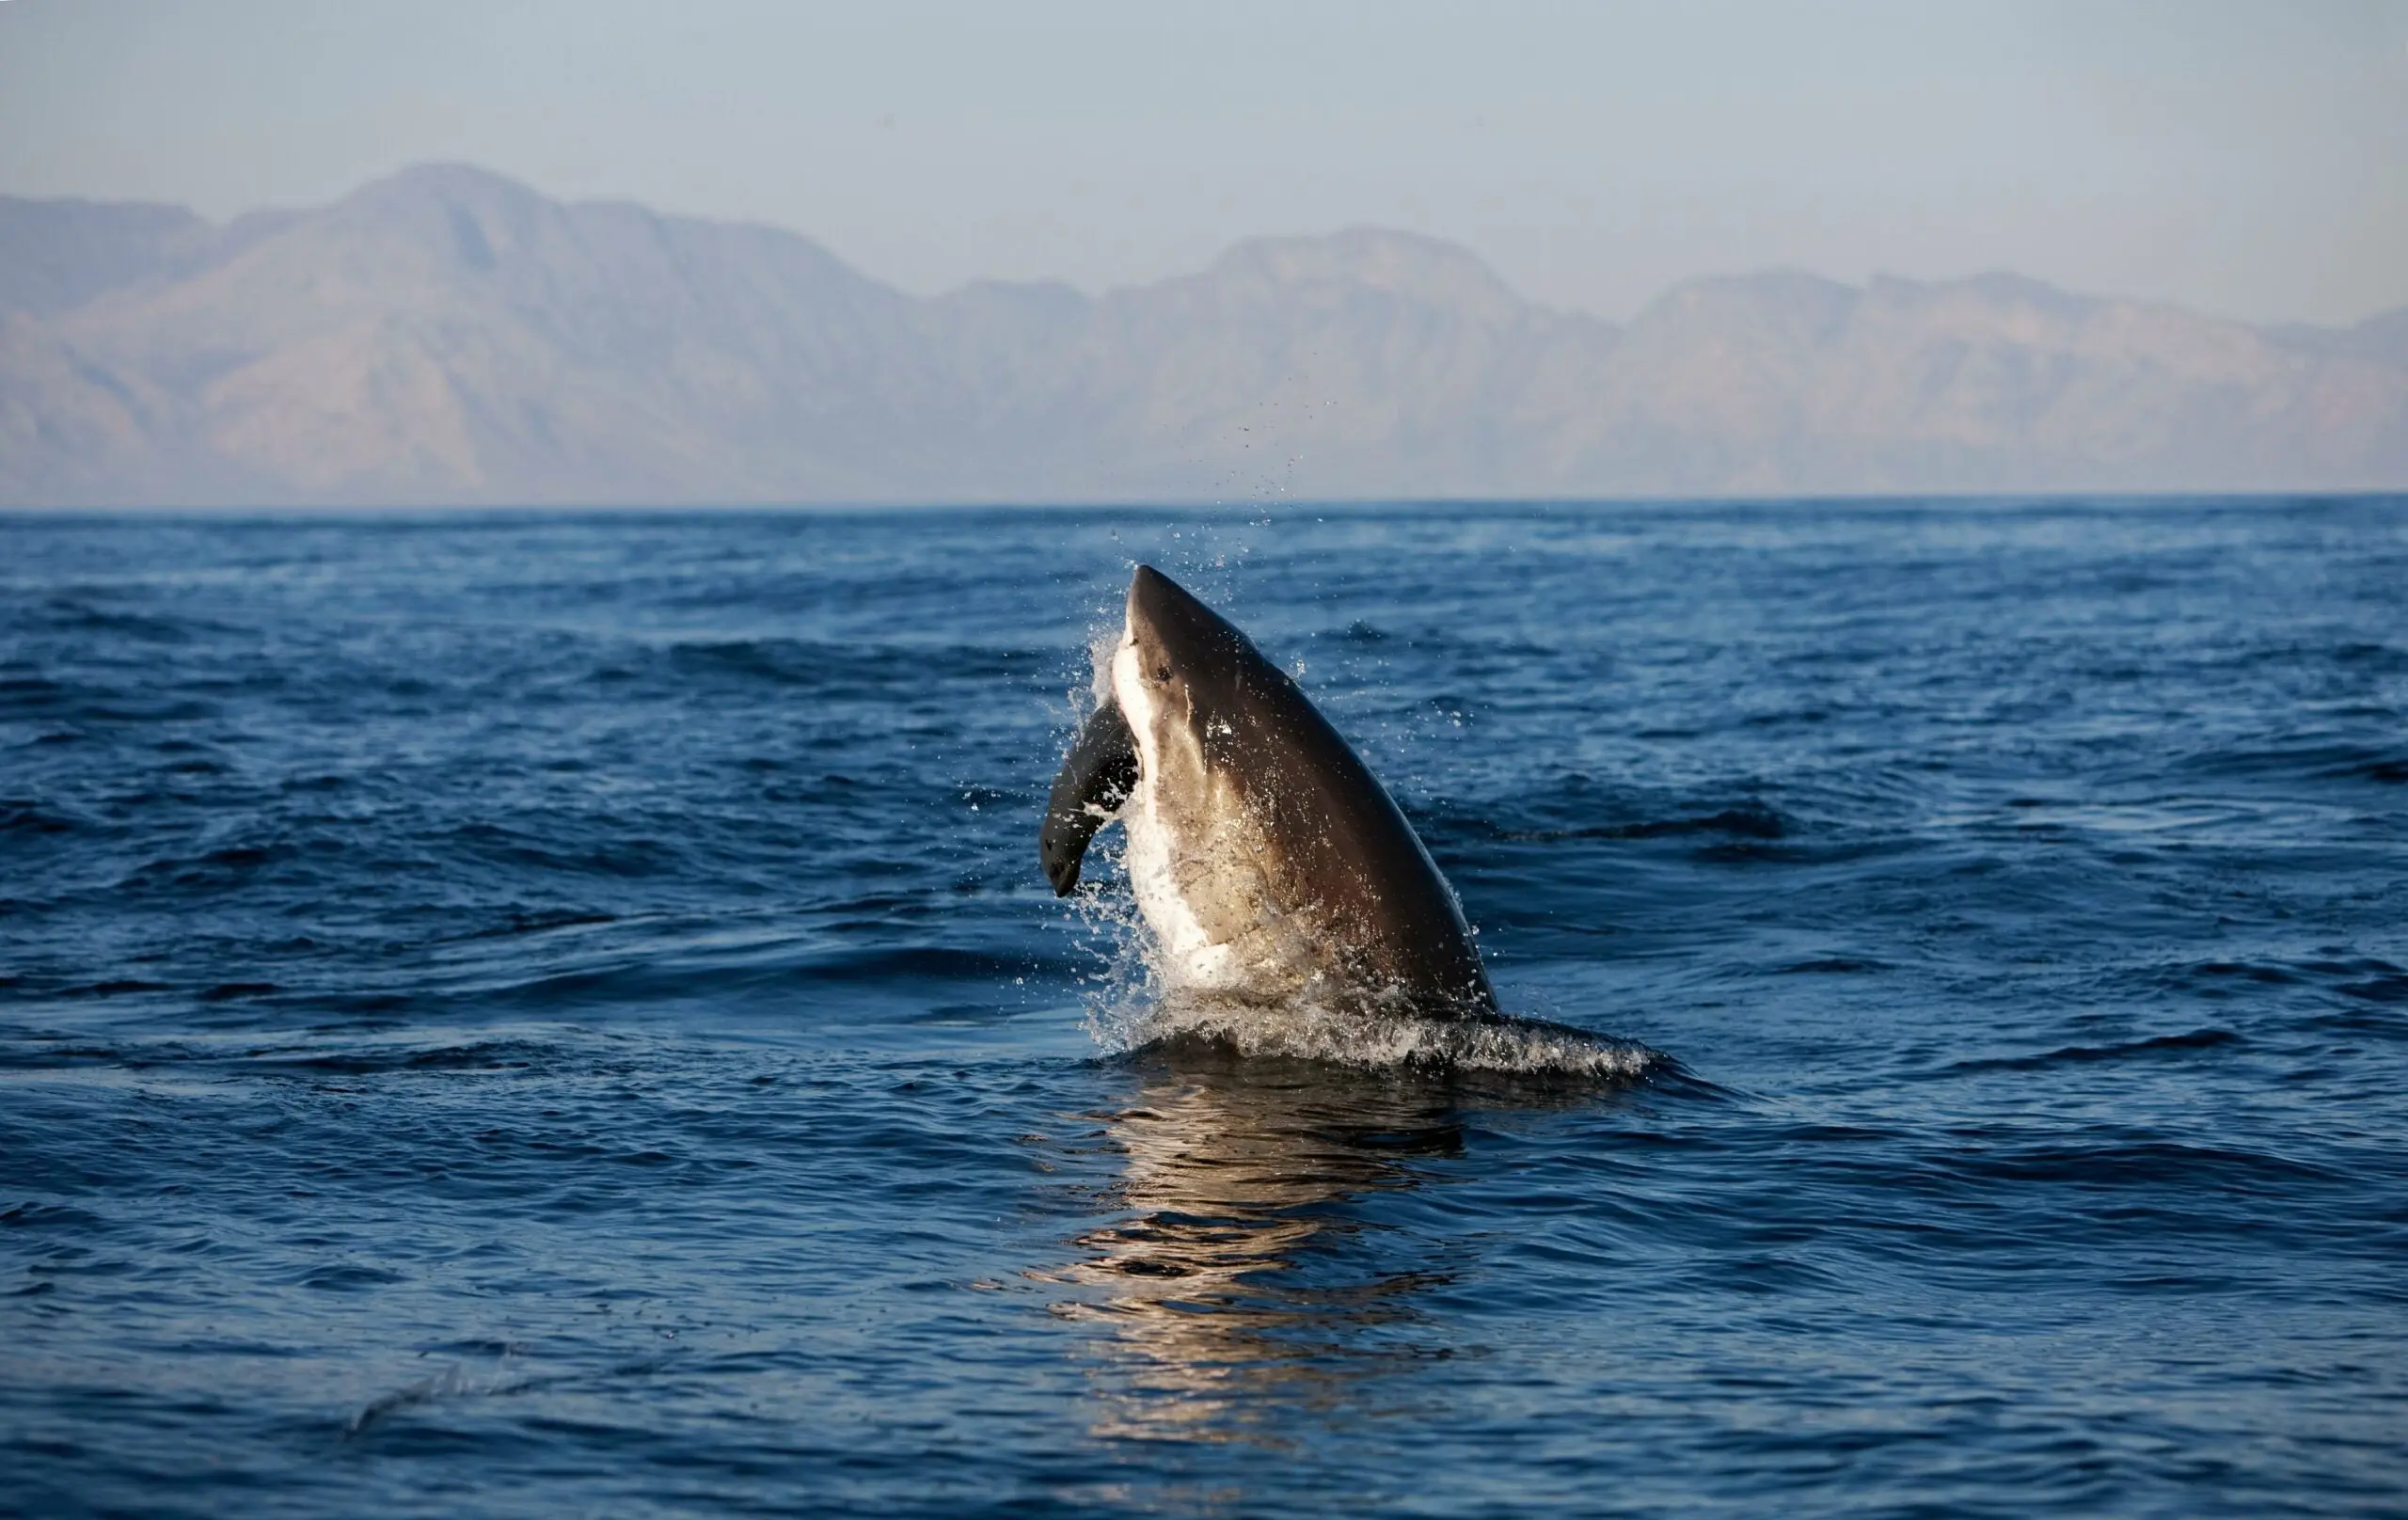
(1173,636)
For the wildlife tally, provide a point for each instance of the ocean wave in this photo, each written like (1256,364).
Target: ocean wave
(2197,1039)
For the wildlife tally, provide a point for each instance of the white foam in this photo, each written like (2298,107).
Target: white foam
(1302,1029)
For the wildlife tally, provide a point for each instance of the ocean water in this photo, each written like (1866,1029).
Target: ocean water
(534,1014)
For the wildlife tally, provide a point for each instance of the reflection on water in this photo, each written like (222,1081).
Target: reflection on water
(1271,1260)
(1248,1278)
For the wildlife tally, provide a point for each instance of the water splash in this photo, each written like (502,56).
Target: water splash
(1305,1029)
(1142,996)
(1150,993)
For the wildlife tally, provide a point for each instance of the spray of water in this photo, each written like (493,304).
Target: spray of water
(1147,994)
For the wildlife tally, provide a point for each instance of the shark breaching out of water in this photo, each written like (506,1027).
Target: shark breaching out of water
(1269,862)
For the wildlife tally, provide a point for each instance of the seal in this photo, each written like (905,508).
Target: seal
(1269,862)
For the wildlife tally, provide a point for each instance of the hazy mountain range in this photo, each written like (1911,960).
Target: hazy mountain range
(449,336)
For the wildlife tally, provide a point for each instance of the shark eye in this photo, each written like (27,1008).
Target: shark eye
(1162,672)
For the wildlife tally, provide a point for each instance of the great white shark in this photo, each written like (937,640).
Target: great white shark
(1269,862)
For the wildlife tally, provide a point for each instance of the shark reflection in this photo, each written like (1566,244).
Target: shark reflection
(1257,1272)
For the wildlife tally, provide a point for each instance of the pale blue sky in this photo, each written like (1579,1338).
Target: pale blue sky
(2250,159)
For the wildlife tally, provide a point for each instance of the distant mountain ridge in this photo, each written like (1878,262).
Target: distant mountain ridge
(448,335)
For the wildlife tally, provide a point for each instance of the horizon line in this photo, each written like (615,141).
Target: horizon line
(2035,500)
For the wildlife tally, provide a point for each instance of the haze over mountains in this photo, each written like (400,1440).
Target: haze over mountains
(447,335)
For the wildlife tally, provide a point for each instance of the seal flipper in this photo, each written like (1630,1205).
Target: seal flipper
(1097,777)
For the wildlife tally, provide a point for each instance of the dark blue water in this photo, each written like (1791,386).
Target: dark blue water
(549,1014)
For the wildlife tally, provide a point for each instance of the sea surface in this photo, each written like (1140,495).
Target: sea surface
(539,1013)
